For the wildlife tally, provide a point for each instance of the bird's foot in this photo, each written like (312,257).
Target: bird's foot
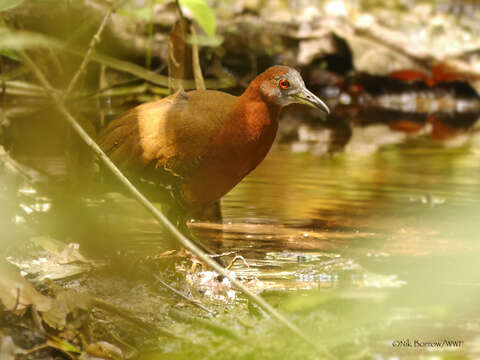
(235,259)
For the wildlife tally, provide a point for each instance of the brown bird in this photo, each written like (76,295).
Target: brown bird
(199,145)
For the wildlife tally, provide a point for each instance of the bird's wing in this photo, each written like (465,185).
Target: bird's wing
(169,135)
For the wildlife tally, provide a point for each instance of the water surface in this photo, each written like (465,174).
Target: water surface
(371,250)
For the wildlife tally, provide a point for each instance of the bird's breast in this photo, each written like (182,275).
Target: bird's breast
(234,151)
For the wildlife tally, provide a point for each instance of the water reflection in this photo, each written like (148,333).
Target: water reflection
(377,208)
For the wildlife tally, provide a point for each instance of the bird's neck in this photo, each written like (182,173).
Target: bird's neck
(260,116)
(253,131)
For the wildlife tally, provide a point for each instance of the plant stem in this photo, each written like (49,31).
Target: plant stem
(148,60)
(94,41)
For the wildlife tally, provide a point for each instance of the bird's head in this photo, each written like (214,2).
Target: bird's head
(283,85)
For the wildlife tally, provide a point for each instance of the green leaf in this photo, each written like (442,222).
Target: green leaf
(202,13)
(63,345)
(9,4)
(10,54)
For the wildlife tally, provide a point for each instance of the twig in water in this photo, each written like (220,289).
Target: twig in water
(130,317)
(160,217)
(189,299)
(237,257)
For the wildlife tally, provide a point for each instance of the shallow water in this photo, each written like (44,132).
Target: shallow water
(376,243)
(401,223)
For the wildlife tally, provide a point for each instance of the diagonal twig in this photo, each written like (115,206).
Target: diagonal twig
(183,296)
(160,217)
(148,58)
(95,40)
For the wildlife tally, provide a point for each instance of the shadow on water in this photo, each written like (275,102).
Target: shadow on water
(381,235)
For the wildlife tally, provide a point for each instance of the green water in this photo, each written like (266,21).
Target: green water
(390,238)
(373,255)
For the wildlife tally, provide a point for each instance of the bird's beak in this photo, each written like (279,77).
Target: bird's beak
(308,98)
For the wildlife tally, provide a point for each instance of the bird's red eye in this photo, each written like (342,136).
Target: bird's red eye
(284,84)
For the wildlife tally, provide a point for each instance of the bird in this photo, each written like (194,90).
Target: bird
(198,145)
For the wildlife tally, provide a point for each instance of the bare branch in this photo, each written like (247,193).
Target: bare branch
(95,40)
(183,296)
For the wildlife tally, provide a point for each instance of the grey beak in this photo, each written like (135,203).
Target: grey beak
(308,98)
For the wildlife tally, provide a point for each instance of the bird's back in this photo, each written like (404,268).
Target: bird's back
(170,134)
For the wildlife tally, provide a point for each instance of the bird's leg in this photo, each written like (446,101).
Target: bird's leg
(179,217)
(210,213)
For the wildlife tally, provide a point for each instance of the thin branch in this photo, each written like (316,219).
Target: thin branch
(148,59)
(95,40)
(4,92)
(130,317)
(183,296)
(161,218)
(17,300)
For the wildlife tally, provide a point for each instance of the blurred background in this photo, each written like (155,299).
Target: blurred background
(362,227)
